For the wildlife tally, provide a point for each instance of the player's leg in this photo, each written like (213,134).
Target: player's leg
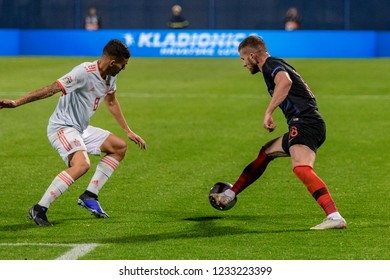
(69,144)
(256,168)
(252,171)
(98,141)
(303,159)
(115,150)
(79,164)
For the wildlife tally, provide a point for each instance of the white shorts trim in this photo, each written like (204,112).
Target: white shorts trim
(68,140)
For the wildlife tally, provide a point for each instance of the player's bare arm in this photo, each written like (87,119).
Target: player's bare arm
(282,87)
(115,109)
(38,94)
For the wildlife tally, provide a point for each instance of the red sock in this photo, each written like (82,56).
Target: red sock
(252,172)
(316,187)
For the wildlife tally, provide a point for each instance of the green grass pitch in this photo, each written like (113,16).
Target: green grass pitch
(202,120)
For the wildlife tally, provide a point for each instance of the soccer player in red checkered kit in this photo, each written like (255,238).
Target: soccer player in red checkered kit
(306,130)
(83,89)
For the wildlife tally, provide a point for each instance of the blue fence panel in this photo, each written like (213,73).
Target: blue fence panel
(9,42)
(383,49)
(65,42)
(196,43)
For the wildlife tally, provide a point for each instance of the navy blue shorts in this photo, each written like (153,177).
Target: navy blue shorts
(312,135)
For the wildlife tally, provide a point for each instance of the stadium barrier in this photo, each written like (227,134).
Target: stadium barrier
(196,43)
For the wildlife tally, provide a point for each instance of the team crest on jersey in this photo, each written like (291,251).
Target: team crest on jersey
(91,68)
(67,80)
(76,143)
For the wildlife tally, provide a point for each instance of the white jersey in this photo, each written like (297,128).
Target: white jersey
(83,89)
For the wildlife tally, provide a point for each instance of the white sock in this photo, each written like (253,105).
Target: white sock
(335,216)
(59,185)
(103,171)
(230,193)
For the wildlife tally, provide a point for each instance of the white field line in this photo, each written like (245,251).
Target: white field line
(121,94)
(77,251)
(256,95)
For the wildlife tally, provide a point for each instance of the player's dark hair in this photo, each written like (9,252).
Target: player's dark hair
(254,42)
(116,49)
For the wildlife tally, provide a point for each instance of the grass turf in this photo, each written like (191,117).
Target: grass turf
(202,120)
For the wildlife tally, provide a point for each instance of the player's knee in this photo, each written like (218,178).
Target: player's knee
(80,166)
(84,166)
(274,148)
(266,153)
(264,150)
(121,148)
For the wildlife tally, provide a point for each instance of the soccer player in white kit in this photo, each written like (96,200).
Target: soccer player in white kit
(83,89)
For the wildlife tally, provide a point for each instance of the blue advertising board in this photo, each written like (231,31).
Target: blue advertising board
(10,42)
(196,43)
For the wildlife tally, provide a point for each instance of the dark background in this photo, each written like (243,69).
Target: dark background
(202,14)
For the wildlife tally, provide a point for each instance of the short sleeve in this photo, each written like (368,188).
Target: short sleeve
(276,70)
(73,80)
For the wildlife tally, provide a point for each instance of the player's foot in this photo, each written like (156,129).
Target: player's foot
(37,213)
(221,199)
(330,223)
(90,202)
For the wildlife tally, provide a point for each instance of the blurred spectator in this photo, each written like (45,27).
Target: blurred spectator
(92,20)
(177,21)
(292,20)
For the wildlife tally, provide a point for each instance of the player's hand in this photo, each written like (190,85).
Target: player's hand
(7,103)
(268,123)
(137,140)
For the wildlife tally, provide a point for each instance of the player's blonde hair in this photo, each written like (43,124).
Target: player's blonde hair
(254,42)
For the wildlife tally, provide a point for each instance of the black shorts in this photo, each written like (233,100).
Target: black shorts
(311,135)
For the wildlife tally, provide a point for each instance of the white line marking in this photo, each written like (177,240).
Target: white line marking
(256,95)
(77,251)
(122,94)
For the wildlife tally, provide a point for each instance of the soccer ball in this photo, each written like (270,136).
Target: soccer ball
(220,187)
